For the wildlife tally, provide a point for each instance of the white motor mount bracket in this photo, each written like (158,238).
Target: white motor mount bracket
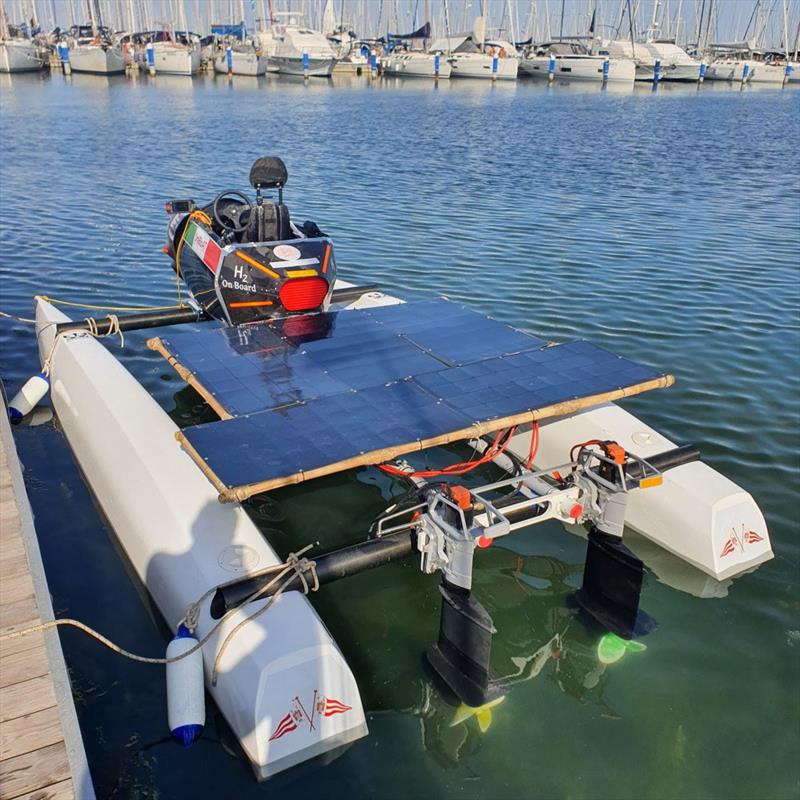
(456,520)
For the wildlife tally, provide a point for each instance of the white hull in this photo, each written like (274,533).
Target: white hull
(241,64)
(181,541)
(728,70)
(580,68)
(688,73)
(19,55)
(416,65)
(173,59)
(479,65)
(767,73)
(293,65)
(94,59)
(351,66)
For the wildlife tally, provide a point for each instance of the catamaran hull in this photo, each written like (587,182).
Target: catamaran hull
(181,541)
(19,56)
(96,60)
(317,67)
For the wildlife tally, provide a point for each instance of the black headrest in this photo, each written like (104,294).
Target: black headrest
(268,172)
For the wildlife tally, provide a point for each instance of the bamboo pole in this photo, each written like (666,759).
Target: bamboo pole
(188,376)
(234,494)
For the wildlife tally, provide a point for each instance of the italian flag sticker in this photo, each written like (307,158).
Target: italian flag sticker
(205,247)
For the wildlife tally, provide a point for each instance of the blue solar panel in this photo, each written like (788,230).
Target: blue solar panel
(269,444)
(283,362)
(499,387)
(275,444)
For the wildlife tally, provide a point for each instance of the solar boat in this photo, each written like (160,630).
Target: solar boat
(309,375)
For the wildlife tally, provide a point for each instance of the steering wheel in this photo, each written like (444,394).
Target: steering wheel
(231,212)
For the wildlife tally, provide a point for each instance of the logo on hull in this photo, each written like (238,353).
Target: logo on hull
(298,715)
(738,540)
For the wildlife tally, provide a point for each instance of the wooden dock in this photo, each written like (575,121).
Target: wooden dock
(41,751)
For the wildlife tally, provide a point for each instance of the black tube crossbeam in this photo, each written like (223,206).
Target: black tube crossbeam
(134,322)
(664,461)
(329,567)
(180,316)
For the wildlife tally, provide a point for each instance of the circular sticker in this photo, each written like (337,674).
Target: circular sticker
(286,252)
(239,558)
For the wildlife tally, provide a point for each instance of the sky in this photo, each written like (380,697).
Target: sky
(510,19)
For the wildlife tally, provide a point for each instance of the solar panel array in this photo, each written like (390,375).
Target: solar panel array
(313,392)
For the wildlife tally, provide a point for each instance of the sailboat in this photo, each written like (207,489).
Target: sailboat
(406,62)
(472,56)
(92,49)
(177,55)
(574,62)
(17,53)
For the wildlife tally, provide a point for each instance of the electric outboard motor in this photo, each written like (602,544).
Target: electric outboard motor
(244,261)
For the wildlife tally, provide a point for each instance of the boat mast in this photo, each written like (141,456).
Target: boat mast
(651,33)
(786,31)
(3,21)
(182,18)
(630,27)
(561,25)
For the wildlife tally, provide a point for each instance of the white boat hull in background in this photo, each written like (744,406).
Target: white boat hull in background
(479,65)
(293,65)
(580,68)
(19,55)
(174,59)
(182,541)
(728,70)
(97,60)
(241,64)
(774,74)
(416,65)
(687,73)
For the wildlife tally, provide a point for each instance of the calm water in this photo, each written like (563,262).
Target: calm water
(664,226)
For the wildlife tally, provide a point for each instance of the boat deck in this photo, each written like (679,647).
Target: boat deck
(41,752)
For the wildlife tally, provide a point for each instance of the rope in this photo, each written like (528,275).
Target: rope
(18,319)
(294,566)
(92,329)
(72,304)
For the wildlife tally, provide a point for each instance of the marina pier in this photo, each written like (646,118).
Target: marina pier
(41,751)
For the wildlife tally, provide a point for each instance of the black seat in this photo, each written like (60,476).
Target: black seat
(269,222)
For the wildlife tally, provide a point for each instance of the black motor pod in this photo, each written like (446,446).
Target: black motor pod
(612,586)
(461,655)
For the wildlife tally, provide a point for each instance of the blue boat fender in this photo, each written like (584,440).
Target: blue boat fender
(28,397)
(186,702)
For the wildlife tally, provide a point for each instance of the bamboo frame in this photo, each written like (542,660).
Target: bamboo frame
(187,375)
(235,494)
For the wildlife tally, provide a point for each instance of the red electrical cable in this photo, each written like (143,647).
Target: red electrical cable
(461,468)
(534,444)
